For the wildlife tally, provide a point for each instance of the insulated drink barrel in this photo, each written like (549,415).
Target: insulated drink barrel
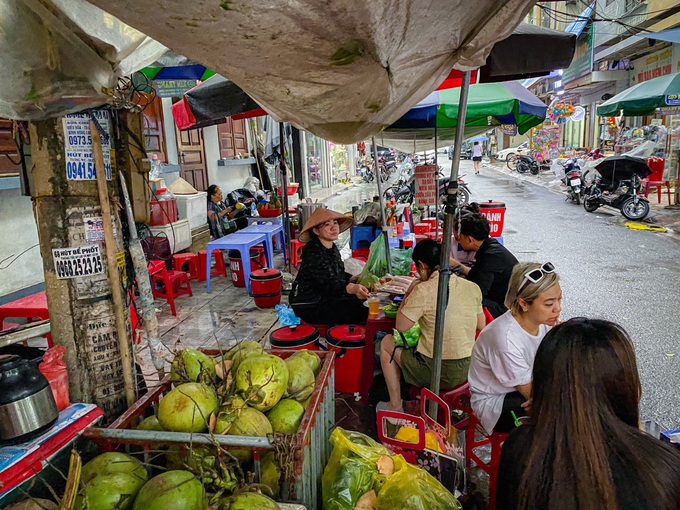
(495,213)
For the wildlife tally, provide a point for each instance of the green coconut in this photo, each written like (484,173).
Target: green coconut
(113,462)
(311,358)
(271,474)
(227,413)
(286,416)
(150,423)
(191,365)
(301,379)
(187,408)
(253,501)
(241,355)
(172,490)
(262,380)
(243,346)
(114,491)
(252,423)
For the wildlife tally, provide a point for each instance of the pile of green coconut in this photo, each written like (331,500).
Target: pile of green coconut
(248,392)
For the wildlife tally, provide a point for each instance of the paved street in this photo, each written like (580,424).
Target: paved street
(607,271)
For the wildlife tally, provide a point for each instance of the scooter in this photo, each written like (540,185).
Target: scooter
(623,194)
(573,180)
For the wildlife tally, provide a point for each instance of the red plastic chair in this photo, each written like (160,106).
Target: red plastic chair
(296,251)
(193,265)
(220,267)
(656,180)
(169,285)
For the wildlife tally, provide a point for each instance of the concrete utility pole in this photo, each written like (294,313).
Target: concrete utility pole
(70,230)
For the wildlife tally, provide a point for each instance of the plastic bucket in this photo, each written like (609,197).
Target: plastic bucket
(495,213)
(295,338)
(266,287)
(349,344)
(256,262)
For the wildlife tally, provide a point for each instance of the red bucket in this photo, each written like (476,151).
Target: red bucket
(349,343)
(495,213)
(266,287)
(257,261)
(295,338)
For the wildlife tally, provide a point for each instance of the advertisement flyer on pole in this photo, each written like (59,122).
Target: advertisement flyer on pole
(75,262)
(426,185)
(78,145)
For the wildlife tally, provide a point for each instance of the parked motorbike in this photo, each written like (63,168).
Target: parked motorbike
(406,193)
(618,185)
(524,164)
(366,172)
(573,180)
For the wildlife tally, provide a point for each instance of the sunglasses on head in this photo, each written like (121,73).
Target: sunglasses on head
(536,275)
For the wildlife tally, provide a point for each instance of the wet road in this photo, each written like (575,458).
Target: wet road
(606,270)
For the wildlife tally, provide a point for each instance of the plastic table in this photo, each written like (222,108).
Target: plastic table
(276,220)
(242,242)
(271,230)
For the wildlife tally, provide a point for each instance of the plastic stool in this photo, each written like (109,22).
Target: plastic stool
(363,233)
(296,251)
(193,269)
(220,266)
(361,254)
(173,284)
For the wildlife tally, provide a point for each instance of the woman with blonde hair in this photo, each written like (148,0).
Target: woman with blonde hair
(503,356)
(582,448)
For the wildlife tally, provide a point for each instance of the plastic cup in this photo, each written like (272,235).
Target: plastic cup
(373,306)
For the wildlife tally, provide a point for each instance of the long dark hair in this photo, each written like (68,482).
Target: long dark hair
(212,189)
(472,222)
(586,391)
(427,251)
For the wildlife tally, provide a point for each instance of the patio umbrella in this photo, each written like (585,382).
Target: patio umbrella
(623,166)
(644,98)
(211,102)
(489,104)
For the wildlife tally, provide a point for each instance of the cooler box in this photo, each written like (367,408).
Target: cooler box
(495,213)
(193,208)
(178,234)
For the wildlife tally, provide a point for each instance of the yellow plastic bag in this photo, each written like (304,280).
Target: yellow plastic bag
(351,470)
(413,488)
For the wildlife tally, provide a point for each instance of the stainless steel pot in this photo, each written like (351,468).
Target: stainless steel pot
(305,210)
(27,406)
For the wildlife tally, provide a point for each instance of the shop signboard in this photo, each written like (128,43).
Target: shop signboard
(426,185)
(173,88)
(670,110)
(659,63)
(509,129)
(582,62)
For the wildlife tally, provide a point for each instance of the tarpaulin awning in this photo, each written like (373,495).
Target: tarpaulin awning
(644,98)
(340,69)
(579,24)
(671,35)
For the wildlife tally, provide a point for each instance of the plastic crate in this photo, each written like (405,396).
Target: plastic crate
(310,446)
(193,208)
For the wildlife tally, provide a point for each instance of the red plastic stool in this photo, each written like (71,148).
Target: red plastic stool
(361,253)
(219,268)
(156,266)
(193,269)
(456,398)
(296,251)
(169,285)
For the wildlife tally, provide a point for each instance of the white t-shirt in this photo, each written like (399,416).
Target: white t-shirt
(502,358)
(477,151)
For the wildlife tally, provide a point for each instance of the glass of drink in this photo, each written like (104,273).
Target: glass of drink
(373,306)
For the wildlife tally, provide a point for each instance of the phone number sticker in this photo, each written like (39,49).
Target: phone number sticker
(78,146)
(75,262)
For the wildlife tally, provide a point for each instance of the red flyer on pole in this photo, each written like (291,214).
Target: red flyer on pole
(426,185)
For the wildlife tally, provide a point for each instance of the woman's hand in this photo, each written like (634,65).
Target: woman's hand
(357,290)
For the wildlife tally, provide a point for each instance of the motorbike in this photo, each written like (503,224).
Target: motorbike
(525,164)
(573,180)
(406,193)
(618,185)
(366,172)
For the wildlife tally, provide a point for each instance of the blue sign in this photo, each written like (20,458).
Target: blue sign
(673,100)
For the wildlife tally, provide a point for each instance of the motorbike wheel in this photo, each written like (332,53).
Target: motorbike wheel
(463,197)
(522,167)
(511,161)
(403,198)
(534,168)
(576,198)
(634,211)
(590,204)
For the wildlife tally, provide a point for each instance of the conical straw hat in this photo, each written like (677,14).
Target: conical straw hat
(322,215)
(182,187)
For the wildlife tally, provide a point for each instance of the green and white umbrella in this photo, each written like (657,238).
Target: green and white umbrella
(644,98)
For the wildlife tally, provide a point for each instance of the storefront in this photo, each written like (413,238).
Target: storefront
(315,158)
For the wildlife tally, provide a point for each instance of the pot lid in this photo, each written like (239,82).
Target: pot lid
(492,205)
(9,361)
(266,273)
(347,333)
(294,335)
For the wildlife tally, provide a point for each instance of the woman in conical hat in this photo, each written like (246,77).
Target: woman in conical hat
(323,293)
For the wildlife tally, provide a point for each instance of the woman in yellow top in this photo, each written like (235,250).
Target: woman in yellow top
(463,317)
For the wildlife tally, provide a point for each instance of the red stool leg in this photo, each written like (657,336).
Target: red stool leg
(169,293)
(220,266)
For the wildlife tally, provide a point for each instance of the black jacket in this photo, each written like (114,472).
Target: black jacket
(492,271)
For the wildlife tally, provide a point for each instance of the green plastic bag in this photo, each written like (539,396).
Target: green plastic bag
(412,336)
(376,265)
(351,470)
(413,488)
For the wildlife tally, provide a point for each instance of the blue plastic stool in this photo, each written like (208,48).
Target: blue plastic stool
(363,233)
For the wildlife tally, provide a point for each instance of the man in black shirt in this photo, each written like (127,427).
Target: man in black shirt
(493,262)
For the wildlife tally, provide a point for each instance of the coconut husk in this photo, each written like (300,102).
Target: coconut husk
(182,187)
